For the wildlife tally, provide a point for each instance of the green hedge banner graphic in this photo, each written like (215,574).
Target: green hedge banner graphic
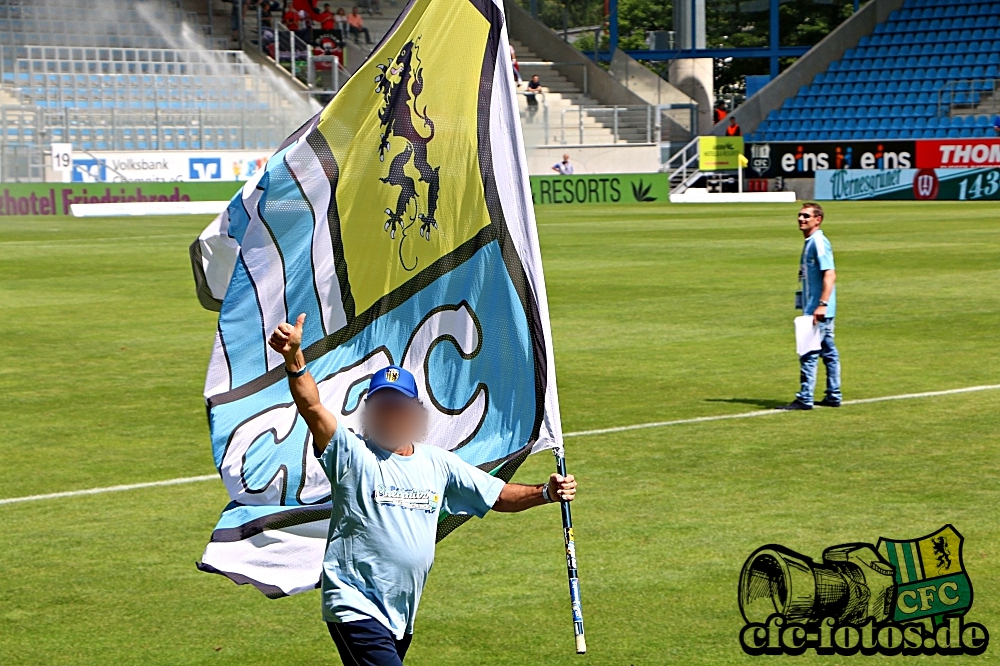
(600,188)
(34,199)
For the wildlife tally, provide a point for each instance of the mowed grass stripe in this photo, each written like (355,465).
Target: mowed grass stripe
(659,314)
(582,433)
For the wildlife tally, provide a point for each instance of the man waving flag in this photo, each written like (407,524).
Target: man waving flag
(390,241)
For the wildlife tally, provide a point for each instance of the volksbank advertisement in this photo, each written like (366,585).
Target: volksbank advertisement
(908,184)
(166,166)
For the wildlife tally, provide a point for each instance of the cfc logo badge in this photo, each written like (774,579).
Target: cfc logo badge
(760,157)
(897,597)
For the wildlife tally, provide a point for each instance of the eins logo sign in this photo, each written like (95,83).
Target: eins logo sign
(897,597)
(843,157)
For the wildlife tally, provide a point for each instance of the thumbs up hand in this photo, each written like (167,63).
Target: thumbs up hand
(287,338)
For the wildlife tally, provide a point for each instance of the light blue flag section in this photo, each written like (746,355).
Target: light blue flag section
(447,283)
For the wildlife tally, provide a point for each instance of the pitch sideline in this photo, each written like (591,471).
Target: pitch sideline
(581,433)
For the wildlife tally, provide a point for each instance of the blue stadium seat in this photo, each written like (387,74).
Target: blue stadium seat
(925,57)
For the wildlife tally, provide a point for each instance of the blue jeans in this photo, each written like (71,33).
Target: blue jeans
(809,363)
(368,643)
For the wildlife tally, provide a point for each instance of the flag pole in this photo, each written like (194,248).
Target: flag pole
(574,581)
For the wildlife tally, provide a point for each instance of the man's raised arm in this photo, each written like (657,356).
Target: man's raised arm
(287,341)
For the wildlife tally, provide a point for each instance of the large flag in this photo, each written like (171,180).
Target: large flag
(399,219)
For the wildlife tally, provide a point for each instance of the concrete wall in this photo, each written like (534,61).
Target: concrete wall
(804,188)
(847,35)
(696,77)
(549,46)
(615,158)
(644,82)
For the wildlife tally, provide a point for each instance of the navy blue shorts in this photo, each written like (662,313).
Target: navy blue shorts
(368,643)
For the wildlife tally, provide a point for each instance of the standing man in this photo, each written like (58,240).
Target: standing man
(388,489)
(534,88)
(719,114)
(565,167)
(817,297)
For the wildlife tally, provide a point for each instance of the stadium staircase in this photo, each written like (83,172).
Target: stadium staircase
(930,70)
(117,75)
(567,115)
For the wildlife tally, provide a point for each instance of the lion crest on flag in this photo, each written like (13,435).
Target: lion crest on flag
(400,82)
(464,309)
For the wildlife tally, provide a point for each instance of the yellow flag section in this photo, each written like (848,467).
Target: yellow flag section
(719,153)
(404,132)
(399,221)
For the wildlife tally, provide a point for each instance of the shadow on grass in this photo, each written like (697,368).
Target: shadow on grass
(757,402)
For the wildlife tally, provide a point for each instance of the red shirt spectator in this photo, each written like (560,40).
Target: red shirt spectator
(733,129)
(291,19)
(326,18)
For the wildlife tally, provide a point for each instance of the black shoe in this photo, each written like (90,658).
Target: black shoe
(795,406)
(826,402)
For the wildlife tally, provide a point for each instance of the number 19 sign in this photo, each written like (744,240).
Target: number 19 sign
(62,157)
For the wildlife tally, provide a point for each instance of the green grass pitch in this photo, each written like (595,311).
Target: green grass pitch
(659,312)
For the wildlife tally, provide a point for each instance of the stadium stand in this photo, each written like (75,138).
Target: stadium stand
(929,71)
(108,75)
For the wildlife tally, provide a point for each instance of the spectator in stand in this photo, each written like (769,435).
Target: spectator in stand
(733,129)
(326,22)
(340,19)
(534,87)
(517,68)
(356,25)
(720,112)
(564,167)
(305,31)
(291,19)
(996,124)
(236,16)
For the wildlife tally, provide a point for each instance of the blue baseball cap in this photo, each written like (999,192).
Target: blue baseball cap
(395,378)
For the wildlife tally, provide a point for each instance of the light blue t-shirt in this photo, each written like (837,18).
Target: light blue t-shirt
(817,256)
(380,547)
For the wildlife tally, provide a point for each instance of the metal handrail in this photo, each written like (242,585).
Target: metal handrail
(951,88)
(685,165)
(613,115)
(545,111)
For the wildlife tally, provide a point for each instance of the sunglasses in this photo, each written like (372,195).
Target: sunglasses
(805,215)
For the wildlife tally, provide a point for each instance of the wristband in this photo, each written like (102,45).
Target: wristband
(297,373)
(545,494)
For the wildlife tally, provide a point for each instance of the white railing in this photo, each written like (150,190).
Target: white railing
(967,94)
(626,124)
(295,58)
(683,167)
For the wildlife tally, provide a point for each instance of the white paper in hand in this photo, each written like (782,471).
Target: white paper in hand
(807,336)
